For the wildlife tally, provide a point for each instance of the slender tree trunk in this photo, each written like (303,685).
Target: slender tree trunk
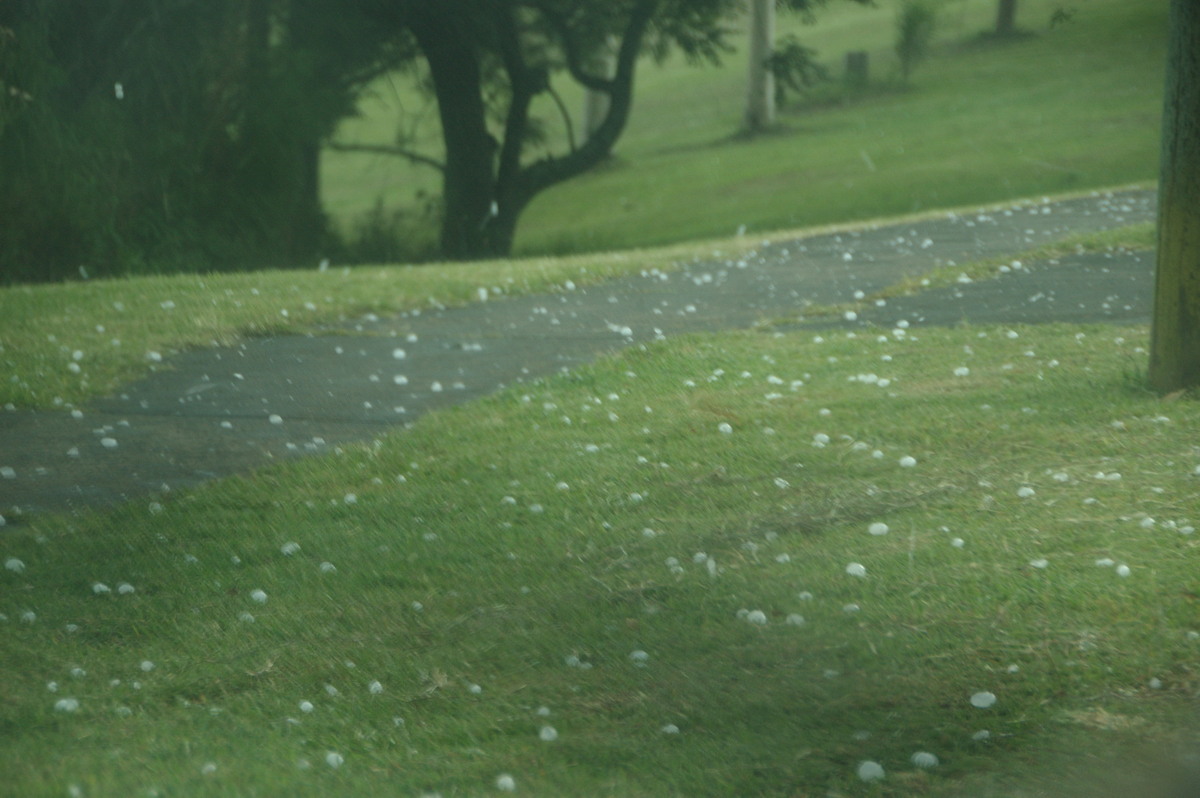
(468,182)
(760,105)
(1175,334)
(1006,18)
(595,103)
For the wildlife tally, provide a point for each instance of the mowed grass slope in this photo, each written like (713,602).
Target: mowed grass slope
(663,574)
(1072,107)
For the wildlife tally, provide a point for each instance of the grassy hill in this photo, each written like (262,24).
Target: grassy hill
(1066,107)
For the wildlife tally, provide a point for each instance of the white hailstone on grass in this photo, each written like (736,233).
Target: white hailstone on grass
(639,658)
(962,371)
(856,569)
(154,357)
(327,568)
(147,665)
(1105,562)
(259,596)
(108,443)
(306,706)
(66,705)
(756,617)
(208,768)
(1040,562)
(795,619)
(1123,570)
(783,558)
(474,689)
(28,616)
(878,528)
(506,783)
(375,688)
(1155,683)
(14,565)
(245,617)
(870,771)
(289,548)
(782,483)
(101,589)
(548,734)
(820,439)
(982,735)
(334,759)
(724,428)
(350,498)
(670,728)
(1147,523)
(983,700)
(1025,491)
(924,759)
(907,461)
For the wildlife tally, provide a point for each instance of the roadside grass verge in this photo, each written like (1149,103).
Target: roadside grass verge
(62,344)
(632,580)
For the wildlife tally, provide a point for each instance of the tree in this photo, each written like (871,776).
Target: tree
(1175,332)
(471,47)
(149,134)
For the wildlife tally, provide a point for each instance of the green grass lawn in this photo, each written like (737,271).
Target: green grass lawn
(1068,108)
(639,579)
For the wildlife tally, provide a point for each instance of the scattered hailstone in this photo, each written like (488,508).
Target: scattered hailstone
(275,418)
(14,565)
(506,783)
(66,705)
(795,619)
(1123,570)
(327,568)
(724,428)
(983,700)
(1025,492)
(981,736)
(670,728)
(870,771)
(962,371)
(756,617)
(258,596)
(290,548)
(306,706)
(856,569)
(924,759)
(108,443)
(147,665)
(639,658)
(101,589)
(548,734)
(958,543)
(375,688)
(1040,562)
(907,462)
(878,528)
(334,759)
(1105,562)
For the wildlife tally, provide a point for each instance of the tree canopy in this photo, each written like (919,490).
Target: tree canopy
(140,135)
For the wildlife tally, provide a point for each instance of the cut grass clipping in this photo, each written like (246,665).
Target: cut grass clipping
(941,562)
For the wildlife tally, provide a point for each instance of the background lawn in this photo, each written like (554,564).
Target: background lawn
(1064,108)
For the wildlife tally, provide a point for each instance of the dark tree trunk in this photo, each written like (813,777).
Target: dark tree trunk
(1006,18)
(442,32)
(1175,334)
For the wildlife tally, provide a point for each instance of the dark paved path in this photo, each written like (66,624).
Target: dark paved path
(219,411)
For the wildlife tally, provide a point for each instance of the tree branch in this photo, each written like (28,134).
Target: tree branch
(572,52)
(383,149)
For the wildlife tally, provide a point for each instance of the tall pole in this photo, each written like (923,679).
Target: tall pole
(760,105)
(1175,332)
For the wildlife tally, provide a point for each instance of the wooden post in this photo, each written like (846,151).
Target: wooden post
(1175,332)
(856,69)
(1006,17)
(760,104)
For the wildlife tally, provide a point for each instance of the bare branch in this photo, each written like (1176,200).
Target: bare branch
(383,149)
